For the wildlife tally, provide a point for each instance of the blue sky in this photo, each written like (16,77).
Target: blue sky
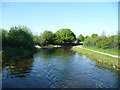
(81,17)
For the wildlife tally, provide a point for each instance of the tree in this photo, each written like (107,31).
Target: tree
(20,37)
(94,35)
(48,36)
(86,37)
(4,37)
(80,38)
(90,41)
(103,42)
(64,37)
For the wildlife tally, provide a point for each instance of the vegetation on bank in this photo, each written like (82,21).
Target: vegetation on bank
(109,51)
(103,41)
(61,37)
(107,60)
(17,43)
(20,41)
(17,37)
(22,37)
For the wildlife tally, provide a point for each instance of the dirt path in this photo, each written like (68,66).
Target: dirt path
(99,52)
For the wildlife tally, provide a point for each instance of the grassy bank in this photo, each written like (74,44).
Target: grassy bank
(104,59)
(109,51)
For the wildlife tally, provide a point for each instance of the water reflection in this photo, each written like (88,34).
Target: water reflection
(17,68)
(52,52)
(57,68)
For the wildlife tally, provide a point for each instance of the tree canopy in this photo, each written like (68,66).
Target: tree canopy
(20,37)
(64,36)
(94,35)
(81,38)
(103,41)
(48,36)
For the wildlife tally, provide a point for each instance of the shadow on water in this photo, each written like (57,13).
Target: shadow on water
(16,63)
(20,66)
(52,52)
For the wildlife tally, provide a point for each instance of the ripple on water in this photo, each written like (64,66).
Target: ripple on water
(59,68)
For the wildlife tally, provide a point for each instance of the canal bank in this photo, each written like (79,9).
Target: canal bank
(101,58)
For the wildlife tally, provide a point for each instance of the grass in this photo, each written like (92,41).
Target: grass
(109,51)
(106,60)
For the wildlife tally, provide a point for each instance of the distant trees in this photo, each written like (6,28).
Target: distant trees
(102,41)
(22,37)
(81,38)
(61,37)
(94,35)
(86,37)
(48,36)
(44,38)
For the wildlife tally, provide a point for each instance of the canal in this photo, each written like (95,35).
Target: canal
(57,68)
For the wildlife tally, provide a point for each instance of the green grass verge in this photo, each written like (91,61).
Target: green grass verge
(109,51)
(104,59)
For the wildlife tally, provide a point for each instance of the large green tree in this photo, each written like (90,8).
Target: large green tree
(20,37)
(64,37)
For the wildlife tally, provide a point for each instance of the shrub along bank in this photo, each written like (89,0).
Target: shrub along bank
(104,42)
(17,43)
(23,40)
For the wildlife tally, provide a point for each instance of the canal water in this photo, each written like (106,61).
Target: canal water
(57,68)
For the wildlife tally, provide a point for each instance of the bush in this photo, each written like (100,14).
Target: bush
(18,37)
(103,42)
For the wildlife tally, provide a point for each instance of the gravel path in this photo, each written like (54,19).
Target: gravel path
(99,52)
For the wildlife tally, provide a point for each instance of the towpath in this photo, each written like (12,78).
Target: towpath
(115,56)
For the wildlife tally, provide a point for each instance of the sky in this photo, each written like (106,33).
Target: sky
(83,18)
